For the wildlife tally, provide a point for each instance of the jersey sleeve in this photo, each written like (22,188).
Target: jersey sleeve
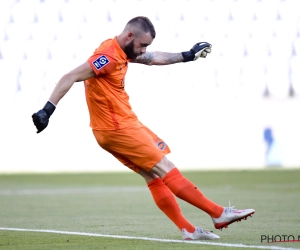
(102,64)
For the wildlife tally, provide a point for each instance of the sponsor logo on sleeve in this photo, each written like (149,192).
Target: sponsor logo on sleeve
(100,62)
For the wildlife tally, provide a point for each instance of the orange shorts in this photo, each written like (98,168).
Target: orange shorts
(137,147)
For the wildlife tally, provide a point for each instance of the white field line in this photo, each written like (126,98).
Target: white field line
(147,239)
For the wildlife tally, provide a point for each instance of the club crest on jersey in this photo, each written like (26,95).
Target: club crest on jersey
(100,62)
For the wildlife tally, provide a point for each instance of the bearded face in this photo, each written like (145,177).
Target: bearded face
(129,50)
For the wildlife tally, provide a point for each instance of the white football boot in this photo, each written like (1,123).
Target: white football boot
(199,234)
(230,215)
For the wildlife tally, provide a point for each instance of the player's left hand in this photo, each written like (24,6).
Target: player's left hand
(199,50)
(41,118)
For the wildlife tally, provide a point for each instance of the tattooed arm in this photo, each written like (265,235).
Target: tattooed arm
(158,58)
(164,58)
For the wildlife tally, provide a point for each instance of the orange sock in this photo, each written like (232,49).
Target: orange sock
(187,191)
(166,201)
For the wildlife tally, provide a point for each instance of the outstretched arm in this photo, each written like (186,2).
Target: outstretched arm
(165,58)
(158,58)
(81,73)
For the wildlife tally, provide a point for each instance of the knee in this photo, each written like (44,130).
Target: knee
(148,176)
(166,163)
(163,167)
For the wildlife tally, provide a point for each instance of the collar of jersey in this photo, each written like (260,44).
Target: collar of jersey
(122,53)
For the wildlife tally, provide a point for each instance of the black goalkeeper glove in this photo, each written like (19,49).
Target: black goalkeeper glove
(41,118)
(199,50)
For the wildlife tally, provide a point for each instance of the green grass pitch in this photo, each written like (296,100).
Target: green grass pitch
(119,204)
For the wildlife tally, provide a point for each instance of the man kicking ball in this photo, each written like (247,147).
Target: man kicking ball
(118,130)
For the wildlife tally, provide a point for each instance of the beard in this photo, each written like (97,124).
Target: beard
(129,50)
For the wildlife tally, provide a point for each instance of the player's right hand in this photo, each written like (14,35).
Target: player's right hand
(41,118)
(199,50)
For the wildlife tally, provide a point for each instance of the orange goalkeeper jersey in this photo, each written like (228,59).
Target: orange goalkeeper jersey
(107,100)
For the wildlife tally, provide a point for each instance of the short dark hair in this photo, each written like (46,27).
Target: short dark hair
(144,24)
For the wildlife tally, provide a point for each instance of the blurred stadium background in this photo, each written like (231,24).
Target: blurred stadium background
(238,108)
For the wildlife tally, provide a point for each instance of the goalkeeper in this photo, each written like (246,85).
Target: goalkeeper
(118,130)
